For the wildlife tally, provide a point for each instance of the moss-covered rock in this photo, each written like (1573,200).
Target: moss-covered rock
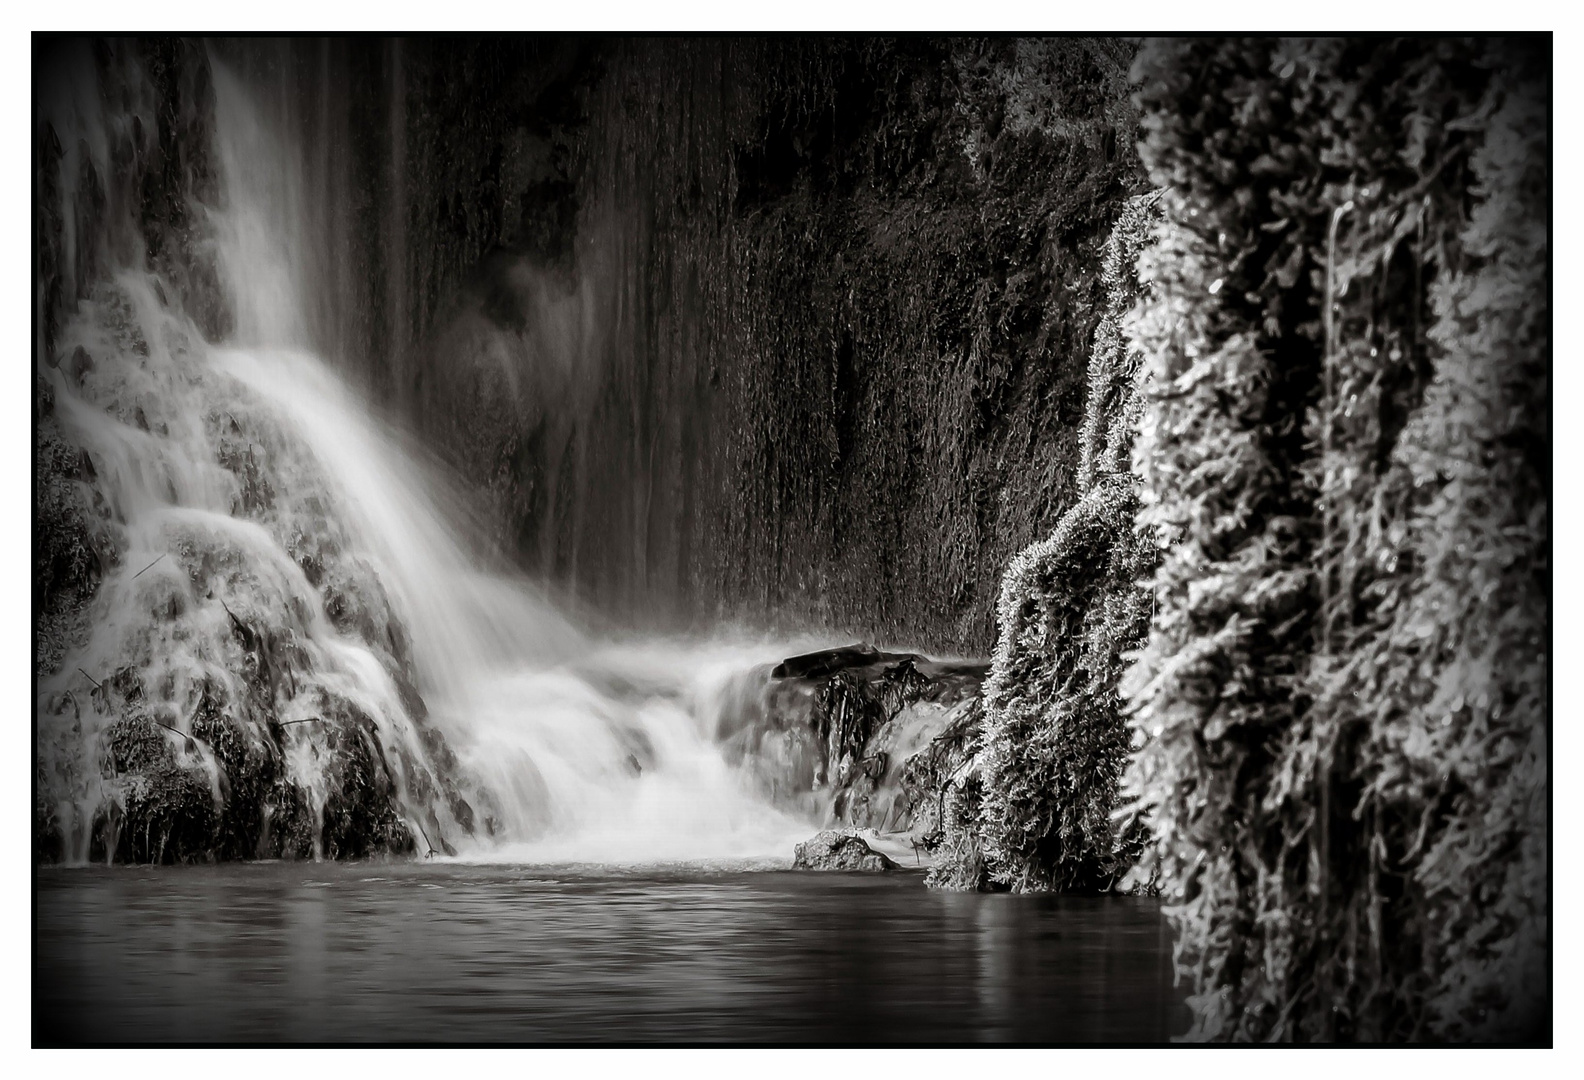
(73,540)
(833,850)
(222,674)
(1037,805)
(1340,706)
(163,807)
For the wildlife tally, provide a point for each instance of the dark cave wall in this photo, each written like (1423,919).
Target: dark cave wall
(785,332)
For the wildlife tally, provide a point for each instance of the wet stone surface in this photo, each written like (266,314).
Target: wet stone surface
(832,850)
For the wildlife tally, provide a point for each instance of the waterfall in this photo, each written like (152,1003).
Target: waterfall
(300,641)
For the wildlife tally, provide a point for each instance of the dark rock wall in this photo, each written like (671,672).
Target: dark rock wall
(784,332)
(418,159)
(142,209)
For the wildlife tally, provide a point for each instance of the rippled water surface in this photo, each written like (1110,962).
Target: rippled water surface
(410,952)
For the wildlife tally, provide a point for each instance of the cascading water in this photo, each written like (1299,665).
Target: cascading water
(297,633)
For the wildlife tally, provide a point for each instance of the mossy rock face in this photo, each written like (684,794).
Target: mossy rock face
(166,807)
(49,840)
(1056,740)
(1340,712)
(267,763)
(73,544)
(166,811)
(223,792)
(179,713)
(288,826)
(837,732)
(960,864)
(832,850)
(359,814)
(250,770)
(1035,811)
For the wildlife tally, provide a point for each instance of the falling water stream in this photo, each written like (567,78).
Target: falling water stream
(252,490)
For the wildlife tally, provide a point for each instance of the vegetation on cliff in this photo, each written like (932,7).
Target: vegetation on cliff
(1342,700)
(1053,740)
(1337,770)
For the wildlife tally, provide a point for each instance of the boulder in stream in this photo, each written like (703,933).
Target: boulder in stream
(834,850)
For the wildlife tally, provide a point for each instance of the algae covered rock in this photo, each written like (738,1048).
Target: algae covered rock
(833,850)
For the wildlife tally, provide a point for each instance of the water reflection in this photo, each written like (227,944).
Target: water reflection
(416,952)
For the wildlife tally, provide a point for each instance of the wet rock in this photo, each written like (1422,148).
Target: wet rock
(161,806)
(871,717)
(833,850)
(80,365)
(826,661)
(867,659)
(833,734)
(897,785)
(73,543)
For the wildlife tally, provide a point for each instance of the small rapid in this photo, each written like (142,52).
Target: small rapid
(298,608)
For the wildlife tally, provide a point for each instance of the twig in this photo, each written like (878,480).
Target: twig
(1327,599)
(247,635)
(167,727)
(1430,177)
(310,720)
(97,685)
(147,568)
(426,838)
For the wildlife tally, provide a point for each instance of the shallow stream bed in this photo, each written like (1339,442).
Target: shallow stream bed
(449,952)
